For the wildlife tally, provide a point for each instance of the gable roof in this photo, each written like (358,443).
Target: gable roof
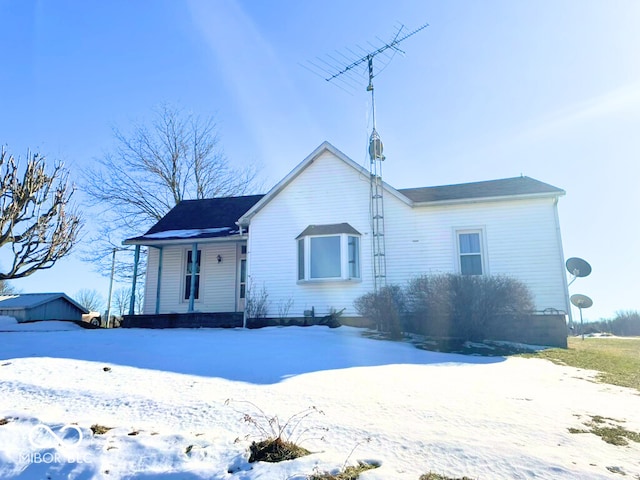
(27,301)
(301,167)
(198,219)
(506,187)
(215,218)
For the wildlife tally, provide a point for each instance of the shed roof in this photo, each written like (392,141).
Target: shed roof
(26,301)
(198,219)
(505,187)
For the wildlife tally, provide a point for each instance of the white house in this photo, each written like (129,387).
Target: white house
(308,241)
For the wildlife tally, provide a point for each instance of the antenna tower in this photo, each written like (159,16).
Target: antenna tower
(376,156)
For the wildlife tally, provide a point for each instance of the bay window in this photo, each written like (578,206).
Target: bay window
(329,252)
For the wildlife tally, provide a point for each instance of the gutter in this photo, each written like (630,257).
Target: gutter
(462,201)
(182,241)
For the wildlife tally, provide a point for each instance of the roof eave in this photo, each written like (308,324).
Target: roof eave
(496,198)
(182,241)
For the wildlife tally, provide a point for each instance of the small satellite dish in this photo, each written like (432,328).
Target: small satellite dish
(581,301)
(578,267)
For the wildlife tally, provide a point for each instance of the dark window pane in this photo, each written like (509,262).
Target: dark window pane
(353,247)
(187,287)
(187,283)
(301,259)
(469,243)
(471,265)
(189,261)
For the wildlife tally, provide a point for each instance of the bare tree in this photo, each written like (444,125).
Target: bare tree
(121,300)
(90,299)
(6,288)
(176,157)
(36,223)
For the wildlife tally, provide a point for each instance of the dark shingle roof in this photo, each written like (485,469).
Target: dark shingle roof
(331,229)
(491,188)
(217,217)
(207,218)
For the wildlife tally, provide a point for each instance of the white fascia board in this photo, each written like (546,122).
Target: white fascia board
(185,241)
(502,198)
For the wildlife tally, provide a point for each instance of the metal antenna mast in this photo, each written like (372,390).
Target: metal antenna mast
(376,156)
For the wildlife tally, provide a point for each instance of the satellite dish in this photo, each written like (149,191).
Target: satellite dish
(581,301)
(578,267)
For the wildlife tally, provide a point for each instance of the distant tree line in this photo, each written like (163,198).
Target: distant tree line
(624,324)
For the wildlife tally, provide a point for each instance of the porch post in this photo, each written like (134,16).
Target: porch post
(159,279)
(136,259)
(194,266)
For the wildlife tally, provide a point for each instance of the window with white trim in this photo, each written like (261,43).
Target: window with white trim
(470,252)
(192,269)
(332,256)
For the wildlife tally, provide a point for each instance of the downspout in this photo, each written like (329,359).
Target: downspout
(564,276)
(159,280)
(194,267)
(136,259)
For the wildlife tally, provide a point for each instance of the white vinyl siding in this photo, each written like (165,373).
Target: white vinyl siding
(218,280)
(519,238)
(327,192)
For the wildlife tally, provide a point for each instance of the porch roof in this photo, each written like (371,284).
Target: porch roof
(209,218)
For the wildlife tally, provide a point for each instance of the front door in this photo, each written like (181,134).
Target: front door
(242,276)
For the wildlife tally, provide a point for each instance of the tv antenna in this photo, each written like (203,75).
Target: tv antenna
(342,70)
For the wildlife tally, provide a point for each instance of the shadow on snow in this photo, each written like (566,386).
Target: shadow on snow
(263,356)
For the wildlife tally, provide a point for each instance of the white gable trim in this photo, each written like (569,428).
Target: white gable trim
(324,147)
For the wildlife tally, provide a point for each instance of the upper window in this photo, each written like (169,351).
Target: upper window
(470,251)
(329,252)
(192,269)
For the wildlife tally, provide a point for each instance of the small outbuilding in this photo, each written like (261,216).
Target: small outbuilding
(31,307)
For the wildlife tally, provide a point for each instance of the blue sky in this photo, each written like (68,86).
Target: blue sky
(495,89)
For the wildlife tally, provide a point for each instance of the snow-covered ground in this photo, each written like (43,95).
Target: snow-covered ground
(164,394)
